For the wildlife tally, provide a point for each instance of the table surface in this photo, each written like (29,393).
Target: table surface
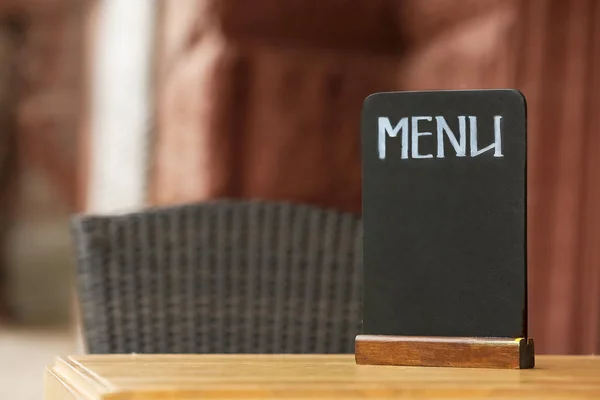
(186,377)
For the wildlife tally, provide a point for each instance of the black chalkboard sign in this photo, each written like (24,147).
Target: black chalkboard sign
(444,208)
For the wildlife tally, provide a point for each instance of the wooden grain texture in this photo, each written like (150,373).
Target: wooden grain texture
(186,377)
(445,352)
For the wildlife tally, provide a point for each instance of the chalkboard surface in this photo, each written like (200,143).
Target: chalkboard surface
(444,208)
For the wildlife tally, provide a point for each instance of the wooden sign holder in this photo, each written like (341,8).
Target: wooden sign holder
(468,352)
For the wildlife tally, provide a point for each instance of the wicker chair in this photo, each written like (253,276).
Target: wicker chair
(220,277)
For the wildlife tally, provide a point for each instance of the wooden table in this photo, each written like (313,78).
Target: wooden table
(185,377)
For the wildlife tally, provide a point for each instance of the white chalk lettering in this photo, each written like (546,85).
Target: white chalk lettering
(415,137)
(459,144)
(385,128)
(497,145)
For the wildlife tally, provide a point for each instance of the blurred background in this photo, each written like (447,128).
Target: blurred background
(112,105)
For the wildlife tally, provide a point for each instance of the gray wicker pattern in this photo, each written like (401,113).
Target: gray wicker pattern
(220,277)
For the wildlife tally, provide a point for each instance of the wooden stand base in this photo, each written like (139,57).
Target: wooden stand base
(473,352)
